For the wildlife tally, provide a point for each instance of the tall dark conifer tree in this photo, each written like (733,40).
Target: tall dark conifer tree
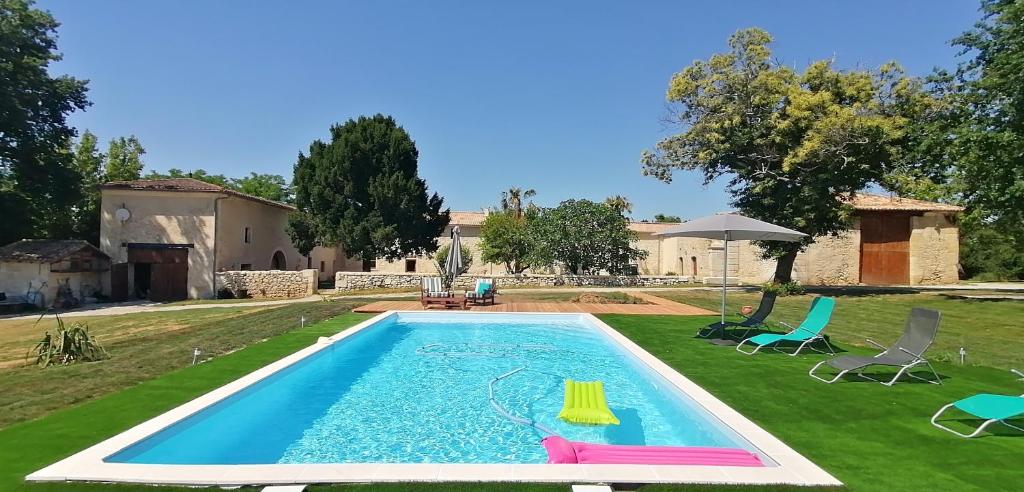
(361,191)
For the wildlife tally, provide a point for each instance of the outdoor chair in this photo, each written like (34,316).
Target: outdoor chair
(483,292)
(808,332)
(755,320)
(990,408)
(433,293)
(907,353)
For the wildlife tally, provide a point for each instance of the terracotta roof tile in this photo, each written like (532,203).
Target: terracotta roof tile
(188,185)
(871,201)
(45,250)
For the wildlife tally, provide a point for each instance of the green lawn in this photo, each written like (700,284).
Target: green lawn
(142,347)
(870,436)
(991,331)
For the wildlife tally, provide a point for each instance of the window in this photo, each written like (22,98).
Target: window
(410,265)
(248,235)
(322,267)
(246,266)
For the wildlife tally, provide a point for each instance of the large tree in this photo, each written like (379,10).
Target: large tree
(124,159)
(793,146)
(974,142)
(585,238)
(269,186)
(506,238)
(620,204)
(361,191)
(88,162)
(38,184)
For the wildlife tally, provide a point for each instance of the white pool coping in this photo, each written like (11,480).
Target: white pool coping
(88,465)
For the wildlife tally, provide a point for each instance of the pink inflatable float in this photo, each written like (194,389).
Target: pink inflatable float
(561,451)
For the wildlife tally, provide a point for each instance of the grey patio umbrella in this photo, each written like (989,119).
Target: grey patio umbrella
(731,227)
(453,264)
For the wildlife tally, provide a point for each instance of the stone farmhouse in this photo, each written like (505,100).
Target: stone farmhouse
(892,241)
(171,239)
(168,238)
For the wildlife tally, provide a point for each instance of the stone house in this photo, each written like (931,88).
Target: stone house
(34,270)
(167,238)
(892,241)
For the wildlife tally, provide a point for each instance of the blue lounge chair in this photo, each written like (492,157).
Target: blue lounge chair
(990,408)
(808,332)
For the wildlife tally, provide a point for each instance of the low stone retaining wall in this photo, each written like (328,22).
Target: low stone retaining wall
(346,281)
(268,283)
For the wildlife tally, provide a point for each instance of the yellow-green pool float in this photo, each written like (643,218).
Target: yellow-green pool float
(585,404)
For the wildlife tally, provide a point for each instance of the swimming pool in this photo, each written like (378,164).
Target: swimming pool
(411,390)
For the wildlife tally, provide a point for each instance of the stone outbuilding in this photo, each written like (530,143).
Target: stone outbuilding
(169,239)
(891,241)
(35,270)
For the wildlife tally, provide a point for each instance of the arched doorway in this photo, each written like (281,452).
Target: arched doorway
(278,262)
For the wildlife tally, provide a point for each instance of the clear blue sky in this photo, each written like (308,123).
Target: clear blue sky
(557,96)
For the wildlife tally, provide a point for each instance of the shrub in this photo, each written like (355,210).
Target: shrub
(784,289)
(68,345)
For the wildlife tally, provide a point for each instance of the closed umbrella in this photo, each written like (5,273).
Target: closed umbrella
(731,227)
(453,264)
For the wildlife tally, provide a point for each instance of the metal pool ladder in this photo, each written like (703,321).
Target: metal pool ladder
(505,413)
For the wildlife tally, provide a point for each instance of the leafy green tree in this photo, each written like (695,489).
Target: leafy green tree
(620,204)
(973,142)
(124,159)
(793,146)
(269,186)
(88,162)
(512,200)
(585,238)
(441,256)
(38,184)
(506,238)
(198,174)
(361,191)
(670,219)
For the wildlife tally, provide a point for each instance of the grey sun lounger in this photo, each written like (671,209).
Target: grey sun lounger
(755,320)
(906,353)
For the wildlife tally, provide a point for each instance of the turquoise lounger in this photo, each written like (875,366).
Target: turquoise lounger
(806,333)
(991,408)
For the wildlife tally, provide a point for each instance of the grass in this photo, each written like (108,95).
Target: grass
(17,336)
(869,436)
(29,392)
(989,330)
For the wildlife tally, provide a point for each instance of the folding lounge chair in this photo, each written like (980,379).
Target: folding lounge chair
(906,353)
(807,333)
(991,408)
(756,319)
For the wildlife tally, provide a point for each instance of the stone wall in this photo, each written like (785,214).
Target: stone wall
(269,283)
(346,281)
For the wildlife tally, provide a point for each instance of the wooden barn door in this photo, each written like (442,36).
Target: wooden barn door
(119,274)
(885,249)
(169,282)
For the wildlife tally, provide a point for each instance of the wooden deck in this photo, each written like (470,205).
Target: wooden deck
(658,306)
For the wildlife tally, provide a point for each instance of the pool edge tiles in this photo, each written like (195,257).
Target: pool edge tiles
(89,465)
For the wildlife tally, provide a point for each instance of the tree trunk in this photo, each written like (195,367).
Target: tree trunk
(367,264)
(784,267)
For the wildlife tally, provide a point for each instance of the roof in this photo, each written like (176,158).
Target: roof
(477,218)
(45,250)
(188,185)
(871,201)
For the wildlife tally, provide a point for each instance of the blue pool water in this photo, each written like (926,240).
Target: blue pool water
(412,388)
